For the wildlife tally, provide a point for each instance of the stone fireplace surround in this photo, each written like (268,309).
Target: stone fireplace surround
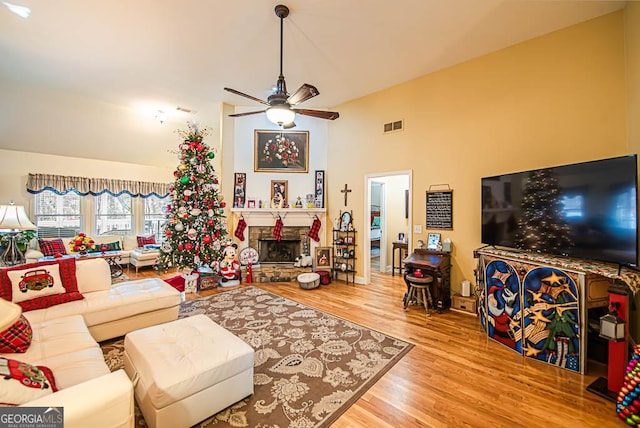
(260,224)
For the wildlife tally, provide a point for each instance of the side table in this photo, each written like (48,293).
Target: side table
(398,245)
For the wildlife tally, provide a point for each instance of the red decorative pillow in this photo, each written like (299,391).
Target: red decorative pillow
(67,269)
(16,338)
(52,247)
(22,382)
(144,240)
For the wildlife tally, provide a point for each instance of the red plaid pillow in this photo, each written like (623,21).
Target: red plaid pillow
(17,337)
(144,240)
(67,269)
(52,247)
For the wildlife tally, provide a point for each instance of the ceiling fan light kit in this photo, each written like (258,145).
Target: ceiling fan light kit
(279,110)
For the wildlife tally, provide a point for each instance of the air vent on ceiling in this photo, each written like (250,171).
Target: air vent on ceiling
(398,125)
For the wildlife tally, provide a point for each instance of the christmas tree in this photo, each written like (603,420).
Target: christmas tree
(542,227)
(195,229)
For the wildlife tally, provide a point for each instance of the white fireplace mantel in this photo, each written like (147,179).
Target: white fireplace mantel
(289,216)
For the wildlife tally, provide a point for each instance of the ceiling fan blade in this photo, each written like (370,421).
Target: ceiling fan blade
(247,113)
(233,91)
(303,93)
(330,115)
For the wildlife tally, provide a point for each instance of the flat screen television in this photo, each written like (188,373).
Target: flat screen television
(586,210)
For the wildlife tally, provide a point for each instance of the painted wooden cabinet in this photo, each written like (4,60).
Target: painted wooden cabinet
(539,308)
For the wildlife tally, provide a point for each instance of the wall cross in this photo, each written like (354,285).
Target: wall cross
(346,191)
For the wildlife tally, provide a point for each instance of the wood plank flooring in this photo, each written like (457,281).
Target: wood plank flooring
(454,376)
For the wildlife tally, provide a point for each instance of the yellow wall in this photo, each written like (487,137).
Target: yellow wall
(632,50)
(553,100)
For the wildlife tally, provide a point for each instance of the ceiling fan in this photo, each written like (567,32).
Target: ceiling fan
(279,110)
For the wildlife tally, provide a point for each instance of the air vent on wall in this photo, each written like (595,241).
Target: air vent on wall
(398,125)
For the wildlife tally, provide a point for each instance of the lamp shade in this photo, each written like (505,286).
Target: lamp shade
(280,114)
(13,217)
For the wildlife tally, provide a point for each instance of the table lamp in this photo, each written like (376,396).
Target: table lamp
(13,219)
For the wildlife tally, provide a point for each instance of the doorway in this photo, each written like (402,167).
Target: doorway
(388,212)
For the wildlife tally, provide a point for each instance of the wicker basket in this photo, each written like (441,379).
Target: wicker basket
(309,280)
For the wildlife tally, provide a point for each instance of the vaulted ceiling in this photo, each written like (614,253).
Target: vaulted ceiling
(95,72)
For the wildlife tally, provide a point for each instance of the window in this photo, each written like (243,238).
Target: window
(113,213)
(154,217)
(57,216)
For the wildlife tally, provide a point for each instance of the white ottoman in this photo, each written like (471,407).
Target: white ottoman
(187,370)
(141,258)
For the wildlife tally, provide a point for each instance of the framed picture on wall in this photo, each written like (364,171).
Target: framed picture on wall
(279,193)
(319,184)
(240,189)
(281,151)
(323,258)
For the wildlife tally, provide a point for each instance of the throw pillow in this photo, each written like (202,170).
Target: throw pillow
(35,282)
(67,272)
(23,382)
(110,246)
(144,240)
(16,338)
(52,247)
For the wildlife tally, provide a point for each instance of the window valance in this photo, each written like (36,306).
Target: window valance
(60,184)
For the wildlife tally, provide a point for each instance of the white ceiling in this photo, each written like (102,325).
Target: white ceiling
(136,56)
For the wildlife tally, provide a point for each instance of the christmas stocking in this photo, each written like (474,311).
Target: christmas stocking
(242,225)
(315,228)
(277,230)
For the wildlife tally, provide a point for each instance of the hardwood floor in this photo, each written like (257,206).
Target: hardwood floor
(454,376)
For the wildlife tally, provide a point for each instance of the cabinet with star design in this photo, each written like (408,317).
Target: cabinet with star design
(539,308)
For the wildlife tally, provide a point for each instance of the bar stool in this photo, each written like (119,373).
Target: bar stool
(417,287)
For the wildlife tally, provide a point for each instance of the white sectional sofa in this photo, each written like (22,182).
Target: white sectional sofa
(65,339)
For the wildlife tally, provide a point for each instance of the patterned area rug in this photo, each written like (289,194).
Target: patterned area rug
(310,366)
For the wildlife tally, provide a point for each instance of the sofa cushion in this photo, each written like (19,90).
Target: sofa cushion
(122,300)
(24,382)
(17,337)
(60,336)
(52,247)
(93,274)
(67,272)
(33,282)
(129,243)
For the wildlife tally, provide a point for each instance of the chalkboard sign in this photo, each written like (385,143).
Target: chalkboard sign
(440,209)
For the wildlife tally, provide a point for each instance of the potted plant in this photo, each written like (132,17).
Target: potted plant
(22,239)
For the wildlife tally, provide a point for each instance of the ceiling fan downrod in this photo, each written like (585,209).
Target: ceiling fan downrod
(282,12)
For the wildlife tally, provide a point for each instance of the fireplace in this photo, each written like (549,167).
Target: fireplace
(283,251)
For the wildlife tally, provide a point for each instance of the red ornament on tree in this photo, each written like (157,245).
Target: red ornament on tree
(180,247)
(223,204)
(188,246)
(206,239)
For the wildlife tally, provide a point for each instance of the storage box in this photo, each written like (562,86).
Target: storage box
(467,305)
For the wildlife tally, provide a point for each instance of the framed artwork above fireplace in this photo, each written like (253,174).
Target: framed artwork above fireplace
(281,151)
